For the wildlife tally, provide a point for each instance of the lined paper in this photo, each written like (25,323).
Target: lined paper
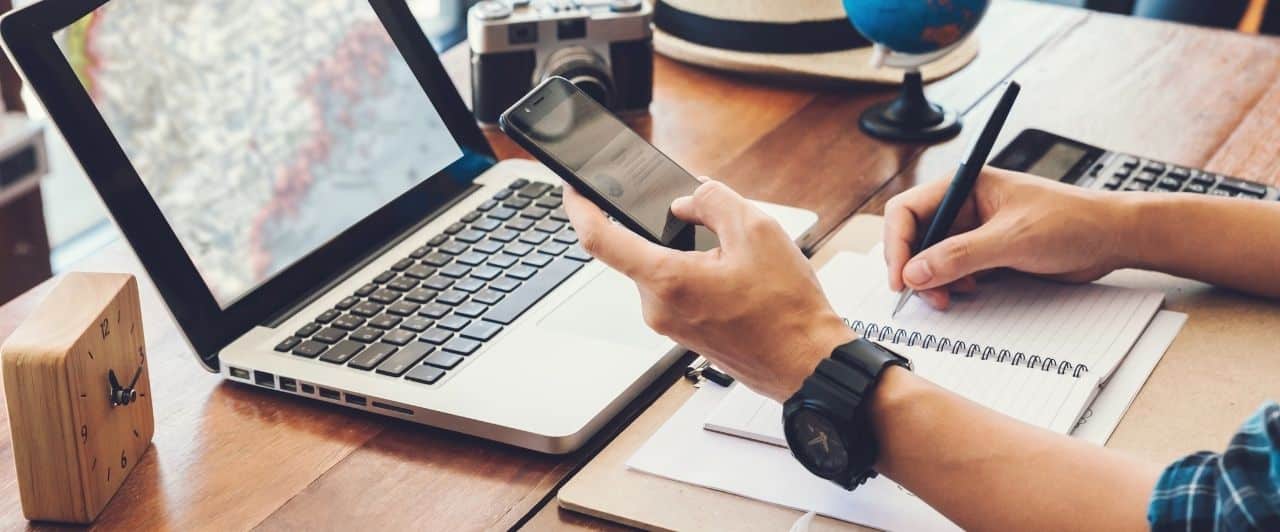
(1094,325)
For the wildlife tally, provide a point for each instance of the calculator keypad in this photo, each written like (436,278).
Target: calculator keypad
(1132,174)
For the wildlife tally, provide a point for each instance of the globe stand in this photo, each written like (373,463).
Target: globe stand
(910,117)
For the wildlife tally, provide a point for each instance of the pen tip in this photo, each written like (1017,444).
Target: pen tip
(902,302)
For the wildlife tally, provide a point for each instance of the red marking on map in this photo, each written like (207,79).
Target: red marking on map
(361,56)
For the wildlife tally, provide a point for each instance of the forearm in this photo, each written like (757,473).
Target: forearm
(1227,242)
(987,471)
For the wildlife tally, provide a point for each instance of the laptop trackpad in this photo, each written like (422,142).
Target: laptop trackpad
(606,309)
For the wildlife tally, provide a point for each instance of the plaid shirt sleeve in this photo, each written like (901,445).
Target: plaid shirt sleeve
(1235,490)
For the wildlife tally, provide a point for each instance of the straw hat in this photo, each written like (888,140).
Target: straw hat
(797,39)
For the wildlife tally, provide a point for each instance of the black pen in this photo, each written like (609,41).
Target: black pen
(966,177)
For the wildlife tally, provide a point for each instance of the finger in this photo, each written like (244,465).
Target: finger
(938,298)
(956,257)
(615,245)
(720,209)
(903,217)
(965,285)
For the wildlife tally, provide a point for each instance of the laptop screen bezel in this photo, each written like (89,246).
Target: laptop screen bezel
(29,37)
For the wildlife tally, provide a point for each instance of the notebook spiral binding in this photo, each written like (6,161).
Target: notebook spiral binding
(900,336)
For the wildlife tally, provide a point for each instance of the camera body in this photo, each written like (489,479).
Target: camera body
(605,47)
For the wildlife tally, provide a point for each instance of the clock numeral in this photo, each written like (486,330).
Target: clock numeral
(105,326)
(124,461)
(84,433)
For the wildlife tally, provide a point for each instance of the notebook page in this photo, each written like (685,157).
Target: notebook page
(1090,324)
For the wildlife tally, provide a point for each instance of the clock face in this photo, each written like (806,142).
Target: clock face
(820,443)
(111,395)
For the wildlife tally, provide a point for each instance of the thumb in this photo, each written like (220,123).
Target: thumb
(956,257)
(715,206)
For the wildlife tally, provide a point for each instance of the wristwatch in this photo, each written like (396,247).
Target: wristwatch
(827,422)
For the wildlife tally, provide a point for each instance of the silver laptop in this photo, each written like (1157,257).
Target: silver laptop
(323,218)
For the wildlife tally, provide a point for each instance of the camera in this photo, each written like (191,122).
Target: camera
(605,47)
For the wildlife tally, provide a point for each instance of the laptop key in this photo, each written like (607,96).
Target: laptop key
(419,252)
(425,374)
(330,335)
(328,316)
(399,337)
(504,235)
(309,349)
(535,213)
(436,259)
(420,271)
(454,228)
(385,276)
(472,258)
(486,273)
(443,360)
(420,295)
(559,215)
(470,236)
(401,264)
(385,321)
(520,224)
(453,323)
(486,225)
(517,203)
(502,194)
(470,309)
(371,356)
(348,322)
(347,302)
(461,346)
(404,358)
(481,330)
(434,311)
(453,247)
(436,336)
(288,343)
(365,290)
(472,216)
(416,324)
(488,246)
(516,303)
(503,261)
(367,335)
(383,296)
(341,353)
(452,297)
(501,213)
(537,260)
(438,282)
(488,296)
(521,272)
(367,309)
(549,202)
(518,184)
(469,285)
(577,253)
(553,248)
(403,283)
(404,308)
(534,238)
(455,270)
(504,284)
(518,249)
(487,204)
(549,226)
(558,191)
(307,330)
(437,240)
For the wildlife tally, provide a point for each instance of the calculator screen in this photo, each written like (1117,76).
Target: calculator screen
(1059,160)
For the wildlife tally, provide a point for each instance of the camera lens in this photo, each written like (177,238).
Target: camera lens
(585,69)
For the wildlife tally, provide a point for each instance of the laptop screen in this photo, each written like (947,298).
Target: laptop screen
(262,129)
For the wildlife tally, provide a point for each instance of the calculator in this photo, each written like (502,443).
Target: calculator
(1073,162)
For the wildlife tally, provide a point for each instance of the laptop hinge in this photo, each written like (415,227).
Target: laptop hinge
(289,311)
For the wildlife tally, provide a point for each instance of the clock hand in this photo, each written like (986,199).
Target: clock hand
(111,377)
(136,374)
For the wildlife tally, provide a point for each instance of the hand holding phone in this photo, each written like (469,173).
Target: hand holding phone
(602,158)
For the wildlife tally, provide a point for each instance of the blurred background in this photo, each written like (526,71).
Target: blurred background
(46,230)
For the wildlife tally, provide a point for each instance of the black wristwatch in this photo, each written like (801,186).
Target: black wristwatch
(827,423)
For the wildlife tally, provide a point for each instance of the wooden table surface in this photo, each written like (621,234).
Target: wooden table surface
(229,456)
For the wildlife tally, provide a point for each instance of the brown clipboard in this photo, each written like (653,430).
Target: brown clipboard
(1223,364)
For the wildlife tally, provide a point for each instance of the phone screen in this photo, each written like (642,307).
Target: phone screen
(604,154)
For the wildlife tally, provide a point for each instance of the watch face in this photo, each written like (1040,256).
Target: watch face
(819,443)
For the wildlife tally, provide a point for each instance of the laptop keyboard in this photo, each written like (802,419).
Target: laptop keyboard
(422,318)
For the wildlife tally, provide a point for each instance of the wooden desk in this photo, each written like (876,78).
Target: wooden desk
(1193,96)
(228,456)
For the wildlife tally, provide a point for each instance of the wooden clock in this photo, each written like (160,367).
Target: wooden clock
(79,397)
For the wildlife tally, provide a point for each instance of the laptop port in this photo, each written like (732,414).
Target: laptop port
(308,389)
(240,373)
(356,400)
(393,408)
(262,378)
(330,394)
(289,385)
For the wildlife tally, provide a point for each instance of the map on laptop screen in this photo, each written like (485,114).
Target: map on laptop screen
(262,129)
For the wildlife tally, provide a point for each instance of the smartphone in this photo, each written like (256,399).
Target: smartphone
(603,159)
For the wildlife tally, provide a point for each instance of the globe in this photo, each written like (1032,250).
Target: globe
(909,34)
(915,26)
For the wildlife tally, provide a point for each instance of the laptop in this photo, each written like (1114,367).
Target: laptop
(323,217)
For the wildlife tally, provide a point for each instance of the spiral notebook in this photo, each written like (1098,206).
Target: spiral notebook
(1032,349)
